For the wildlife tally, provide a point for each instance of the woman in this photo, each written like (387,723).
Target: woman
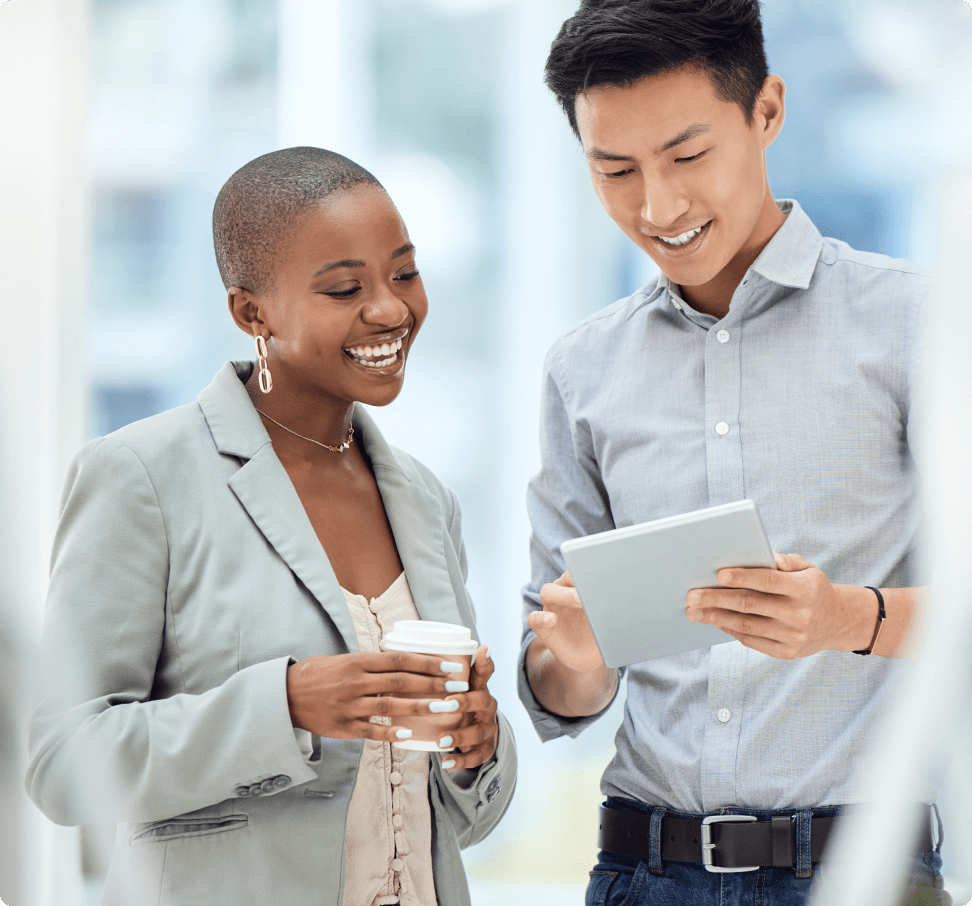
(222,574)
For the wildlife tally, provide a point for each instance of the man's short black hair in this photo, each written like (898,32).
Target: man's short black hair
(259,204)
(618,42)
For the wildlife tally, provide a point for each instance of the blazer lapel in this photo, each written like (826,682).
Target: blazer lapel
(265,490)
(417,523)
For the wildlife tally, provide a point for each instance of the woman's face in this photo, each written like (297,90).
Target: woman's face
(348,301)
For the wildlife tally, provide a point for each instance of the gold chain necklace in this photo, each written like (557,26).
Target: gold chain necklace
(338,449)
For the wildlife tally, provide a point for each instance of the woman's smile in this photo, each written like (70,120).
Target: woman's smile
(382,353)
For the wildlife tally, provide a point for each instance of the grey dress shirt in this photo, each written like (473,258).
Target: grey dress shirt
(800,399)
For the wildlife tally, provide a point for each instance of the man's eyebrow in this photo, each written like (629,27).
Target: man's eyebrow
(346,262)
(690,132)
(403,250)
(598,154)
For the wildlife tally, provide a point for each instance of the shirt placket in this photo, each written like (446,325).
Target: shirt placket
(724,472)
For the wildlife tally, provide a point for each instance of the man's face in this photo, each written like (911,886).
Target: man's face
(681,172)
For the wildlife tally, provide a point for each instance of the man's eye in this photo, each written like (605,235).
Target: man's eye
(617,174)
(687,159)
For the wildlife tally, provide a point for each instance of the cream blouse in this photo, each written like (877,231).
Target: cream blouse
(388,842)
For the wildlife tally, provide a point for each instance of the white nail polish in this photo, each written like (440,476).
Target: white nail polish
(445,742)
(441,707)
(403,734)
(449,763)
(450,667)
(455,685)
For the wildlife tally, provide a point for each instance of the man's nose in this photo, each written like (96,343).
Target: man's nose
(663,204)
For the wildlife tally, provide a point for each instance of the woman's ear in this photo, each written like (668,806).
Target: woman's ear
(245,310)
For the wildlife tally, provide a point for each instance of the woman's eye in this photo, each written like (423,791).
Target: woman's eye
(411,275)
(343,293)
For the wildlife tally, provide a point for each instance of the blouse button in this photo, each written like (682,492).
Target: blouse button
(398,820)
(397,864)
(395,778)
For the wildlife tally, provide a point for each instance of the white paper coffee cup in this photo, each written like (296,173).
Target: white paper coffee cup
(450,641)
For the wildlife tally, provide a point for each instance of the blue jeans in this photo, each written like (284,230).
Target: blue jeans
(620,880)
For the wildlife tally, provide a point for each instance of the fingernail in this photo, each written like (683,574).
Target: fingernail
(456,685)
(445,742)
(440,707)
(695,598)
(449,763)
(403,734)
(450,667)
(487,652)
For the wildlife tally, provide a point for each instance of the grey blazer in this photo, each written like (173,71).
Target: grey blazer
(185,578)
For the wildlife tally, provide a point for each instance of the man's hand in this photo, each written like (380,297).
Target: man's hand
(790,612)
(562,626)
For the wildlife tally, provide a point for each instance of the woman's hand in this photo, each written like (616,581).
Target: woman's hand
(337,695)
(477,735)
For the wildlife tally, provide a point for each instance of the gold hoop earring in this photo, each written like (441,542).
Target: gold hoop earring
(266,382)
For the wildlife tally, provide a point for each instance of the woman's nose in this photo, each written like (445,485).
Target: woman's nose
(385,309)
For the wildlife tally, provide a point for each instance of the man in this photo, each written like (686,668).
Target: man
(765,362)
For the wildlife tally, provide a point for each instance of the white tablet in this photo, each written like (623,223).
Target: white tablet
(633,581)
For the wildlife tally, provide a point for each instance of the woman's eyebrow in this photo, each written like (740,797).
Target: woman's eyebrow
(403,250)
(346,262)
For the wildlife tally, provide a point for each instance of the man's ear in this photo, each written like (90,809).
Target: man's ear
(770,109)
(245,310)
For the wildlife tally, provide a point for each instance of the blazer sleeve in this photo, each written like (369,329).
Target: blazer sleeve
(101,748)
(476,798)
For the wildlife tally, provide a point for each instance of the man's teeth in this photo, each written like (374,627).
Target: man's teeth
(681,240)
(365,355)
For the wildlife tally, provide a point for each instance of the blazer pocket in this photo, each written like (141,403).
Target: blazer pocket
(174,828)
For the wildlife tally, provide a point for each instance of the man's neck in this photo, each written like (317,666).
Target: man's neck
(713,298)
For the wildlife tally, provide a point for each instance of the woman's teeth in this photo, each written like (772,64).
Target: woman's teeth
(366,355)
(683,238)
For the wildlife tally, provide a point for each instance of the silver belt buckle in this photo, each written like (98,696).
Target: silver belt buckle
(708,845)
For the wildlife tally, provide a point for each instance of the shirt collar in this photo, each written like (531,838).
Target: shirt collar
(789,258)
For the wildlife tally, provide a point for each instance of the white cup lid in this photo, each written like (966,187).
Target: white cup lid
(430,637)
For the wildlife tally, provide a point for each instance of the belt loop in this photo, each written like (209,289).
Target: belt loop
(804,864)
(655,864)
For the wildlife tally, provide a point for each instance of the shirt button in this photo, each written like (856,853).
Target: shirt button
(281,781)
(724,715)
(267,786)
(242,791)
(677,304)
(256,790)
(722,429)
(723,336)
(395,778)
(397,864)
(398,820)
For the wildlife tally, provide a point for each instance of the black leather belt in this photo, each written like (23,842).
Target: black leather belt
(720,841)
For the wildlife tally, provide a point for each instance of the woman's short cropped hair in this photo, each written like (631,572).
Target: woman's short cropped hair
(618,42)
(258,205)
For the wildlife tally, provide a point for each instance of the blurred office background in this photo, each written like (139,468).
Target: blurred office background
(130,114)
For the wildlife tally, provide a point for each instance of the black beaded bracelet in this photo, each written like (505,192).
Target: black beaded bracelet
(882,614)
